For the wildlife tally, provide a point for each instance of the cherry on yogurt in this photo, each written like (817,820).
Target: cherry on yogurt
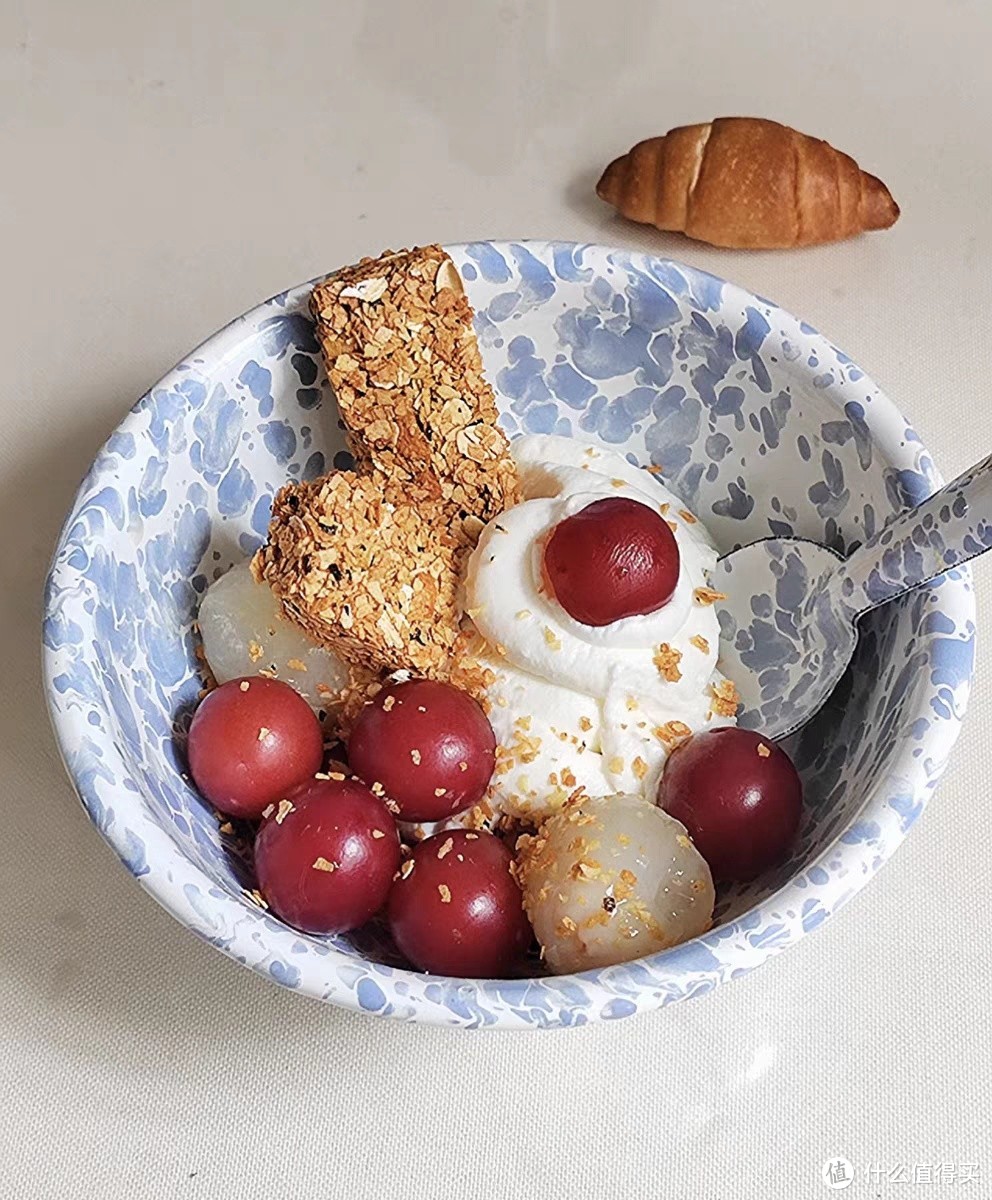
(428,744)
(326,855)
(456,909)
(615,558)
(250,742)
(738,795)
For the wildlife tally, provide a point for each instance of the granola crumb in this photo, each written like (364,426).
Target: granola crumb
(763,751)
(700,643)
(416,756)
(725,699)
(444,892)
(324,864)
(705,595)
(673,734)
(244,685)
(667,660)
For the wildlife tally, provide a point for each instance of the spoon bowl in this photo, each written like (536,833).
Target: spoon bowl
(781,641)
(788,620)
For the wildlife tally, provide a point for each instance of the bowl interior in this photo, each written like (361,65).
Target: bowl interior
(757,422)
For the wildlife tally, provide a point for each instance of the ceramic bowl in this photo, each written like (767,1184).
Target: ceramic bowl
(758,422)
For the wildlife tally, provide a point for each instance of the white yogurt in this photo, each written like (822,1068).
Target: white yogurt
(572,700)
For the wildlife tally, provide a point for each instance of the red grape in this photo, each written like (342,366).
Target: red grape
(615,558)
(428,744)
(326,857)
(250,742)
(738,795)
(456,909)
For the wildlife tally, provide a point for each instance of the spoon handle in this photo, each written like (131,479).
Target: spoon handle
(949,528)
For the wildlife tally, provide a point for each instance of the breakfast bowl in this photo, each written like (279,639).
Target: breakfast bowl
(751,417)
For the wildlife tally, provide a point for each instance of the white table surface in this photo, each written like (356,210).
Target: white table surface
(161,172)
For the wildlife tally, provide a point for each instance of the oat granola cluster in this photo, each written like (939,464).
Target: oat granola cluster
(368,561)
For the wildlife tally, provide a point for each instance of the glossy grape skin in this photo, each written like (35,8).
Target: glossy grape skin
(326,856)
(456,908)
(615,558)
(250,742)
(738,795)
(428,744)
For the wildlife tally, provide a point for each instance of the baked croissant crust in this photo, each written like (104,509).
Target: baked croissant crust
(747,183)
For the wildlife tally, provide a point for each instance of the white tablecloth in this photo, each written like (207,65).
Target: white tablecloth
(165,166)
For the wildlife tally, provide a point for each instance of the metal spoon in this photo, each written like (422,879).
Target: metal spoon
(788,625)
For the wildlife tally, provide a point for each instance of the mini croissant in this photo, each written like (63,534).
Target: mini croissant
(747,183)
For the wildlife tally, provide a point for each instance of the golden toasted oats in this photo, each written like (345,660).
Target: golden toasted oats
(673,734)
(700,643)
(763,751)
(705,595)
(324,864)
(366,571)
(667,660)
(401,355)
(368,562)
(725,698)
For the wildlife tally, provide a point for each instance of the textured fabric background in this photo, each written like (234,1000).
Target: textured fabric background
(167,165)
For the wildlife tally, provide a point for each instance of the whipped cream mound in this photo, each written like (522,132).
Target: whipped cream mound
(576,706)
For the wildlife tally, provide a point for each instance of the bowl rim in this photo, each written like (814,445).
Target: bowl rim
(690,969)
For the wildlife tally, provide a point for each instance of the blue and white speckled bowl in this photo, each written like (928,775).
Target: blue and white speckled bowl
(758,422)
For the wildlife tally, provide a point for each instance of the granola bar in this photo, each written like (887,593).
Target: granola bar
(365,569)
(401,355)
